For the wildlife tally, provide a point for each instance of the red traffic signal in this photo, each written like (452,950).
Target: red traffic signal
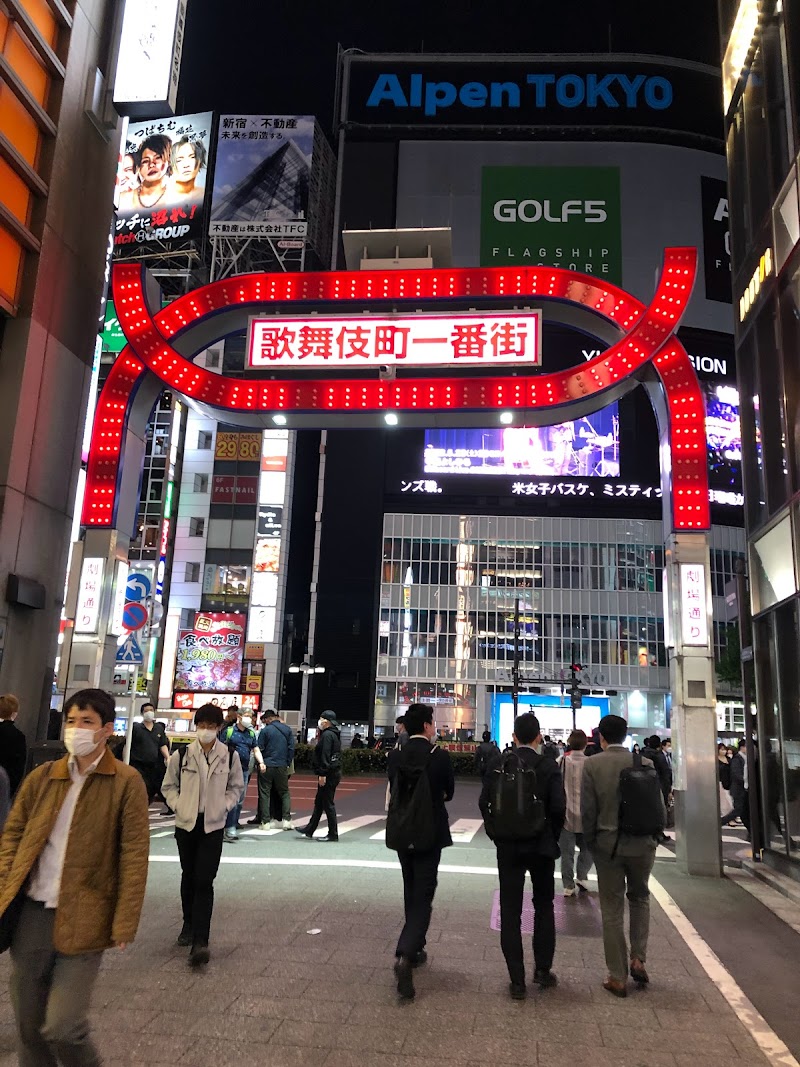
(574,667)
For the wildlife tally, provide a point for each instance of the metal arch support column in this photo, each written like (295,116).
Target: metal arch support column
(694,719)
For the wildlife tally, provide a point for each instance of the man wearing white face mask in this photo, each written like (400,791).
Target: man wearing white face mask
(241,737)
(149,750)
(326,762)
(73,870)
(202,785)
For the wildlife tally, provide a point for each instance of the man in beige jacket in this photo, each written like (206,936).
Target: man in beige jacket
(203,783)
(73,870)
(623,862)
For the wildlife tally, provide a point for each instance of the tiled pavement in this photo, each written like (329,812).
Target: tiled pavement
(277,994)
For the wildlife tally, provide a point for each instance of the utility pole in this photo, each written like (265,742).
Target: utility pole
(515,667)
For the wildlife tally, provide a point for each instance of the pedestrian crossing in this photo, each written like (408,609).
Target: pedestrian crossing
(359,829)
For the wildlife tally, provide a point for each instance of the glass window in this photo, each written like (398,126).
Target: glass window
(750,415)
(738,198)
(773,50)
(790,345)
(773,421)
(772,567)
(784,810)
(769,730)
(755,124)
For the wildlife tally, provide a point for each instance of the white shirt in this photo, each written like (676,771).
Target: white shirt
(45,884)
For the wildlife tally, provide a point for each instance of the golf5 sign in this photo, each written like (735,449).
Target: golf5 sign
(552,216)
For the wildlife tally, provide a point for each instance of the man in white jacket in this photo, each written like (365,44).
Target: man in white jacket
(202,784)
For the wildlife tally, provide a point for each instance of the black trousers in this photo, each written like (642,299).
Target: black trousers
(324,804)
(420,874)
(514,858)
(200,855)
(153,775)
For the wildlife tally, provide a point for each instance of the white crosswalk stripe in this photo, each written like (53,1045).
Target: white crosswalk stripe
(463,830)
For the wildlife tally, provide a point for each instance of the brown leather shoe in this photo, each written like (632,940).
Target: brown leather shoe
(639,973)
(618,989)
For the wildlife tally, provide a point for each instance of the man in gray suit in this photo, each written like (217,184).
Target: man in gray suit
(622,862)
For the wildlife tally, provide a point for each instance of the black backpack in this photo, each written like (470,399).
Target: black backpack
(409,821)
(641,804)
(516,812)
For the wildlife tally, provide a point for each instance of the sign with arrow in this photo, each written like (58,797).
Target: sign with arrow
(138,588)
(129,651)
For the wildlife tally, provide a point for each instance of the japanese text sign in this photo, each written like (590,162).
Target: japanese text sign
(210,654)
(89,595)
(694,610)
(402,340)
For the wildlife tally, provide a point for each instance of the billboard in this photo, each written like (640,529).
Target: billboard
(162,182)
(210,654)
(716,239)
(459,184)
(149,59)
(262,176)
(589,92)
(552,216)
(586,448)
(339,342)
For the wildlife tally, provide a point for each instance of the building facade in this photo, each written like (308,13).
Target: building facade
(522,161)
(761,87)
(57,165)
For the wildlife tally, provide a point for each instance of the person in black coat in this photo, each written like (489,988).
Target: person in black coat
(420,868)
(326,763)
(537,855)
(13,746)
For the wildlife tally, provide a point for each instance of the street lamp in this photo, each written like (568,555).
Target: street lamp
(308,666)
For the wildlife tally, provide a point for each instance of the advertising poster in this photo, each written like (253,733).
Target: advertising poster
(162,183)
(262,176)
(716,239)
(237,446)
(566,217)
(193,701)
(210,654)
(253,676)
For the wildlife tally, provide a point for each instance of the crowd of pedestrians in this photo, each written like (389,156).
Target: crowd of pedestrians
(537,804)
(74,854)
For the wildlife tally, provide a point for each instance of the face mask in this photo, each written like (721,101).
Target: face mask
(149,716)
(247,723)
(79,742)
(205,737)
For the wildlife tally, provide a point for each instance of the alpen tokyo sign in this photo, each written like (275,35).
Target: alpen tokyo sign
(340,342)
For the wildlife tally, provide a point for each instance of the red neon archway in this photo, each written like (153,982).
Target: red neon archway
(649,337)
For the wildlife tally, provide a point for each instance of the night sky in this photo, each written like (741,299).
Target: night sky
(279,56)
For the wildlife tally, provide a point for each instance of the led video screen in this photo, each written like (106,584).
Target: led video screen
(585,448)
(723,438)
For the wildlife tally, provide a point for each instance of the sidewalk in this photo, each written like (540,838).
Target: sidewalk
(319,991)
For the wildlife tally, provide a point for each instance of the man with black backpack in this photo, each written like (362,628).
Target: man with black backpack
(623,815)
(523,807)
(417,828)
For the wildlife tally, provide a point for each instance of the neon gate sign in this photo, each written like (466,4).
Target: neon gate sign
(648,340)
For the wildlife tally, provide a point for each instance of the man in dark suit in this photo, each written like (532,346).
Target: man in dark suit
(420,868)
(623,862)
(537,855)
